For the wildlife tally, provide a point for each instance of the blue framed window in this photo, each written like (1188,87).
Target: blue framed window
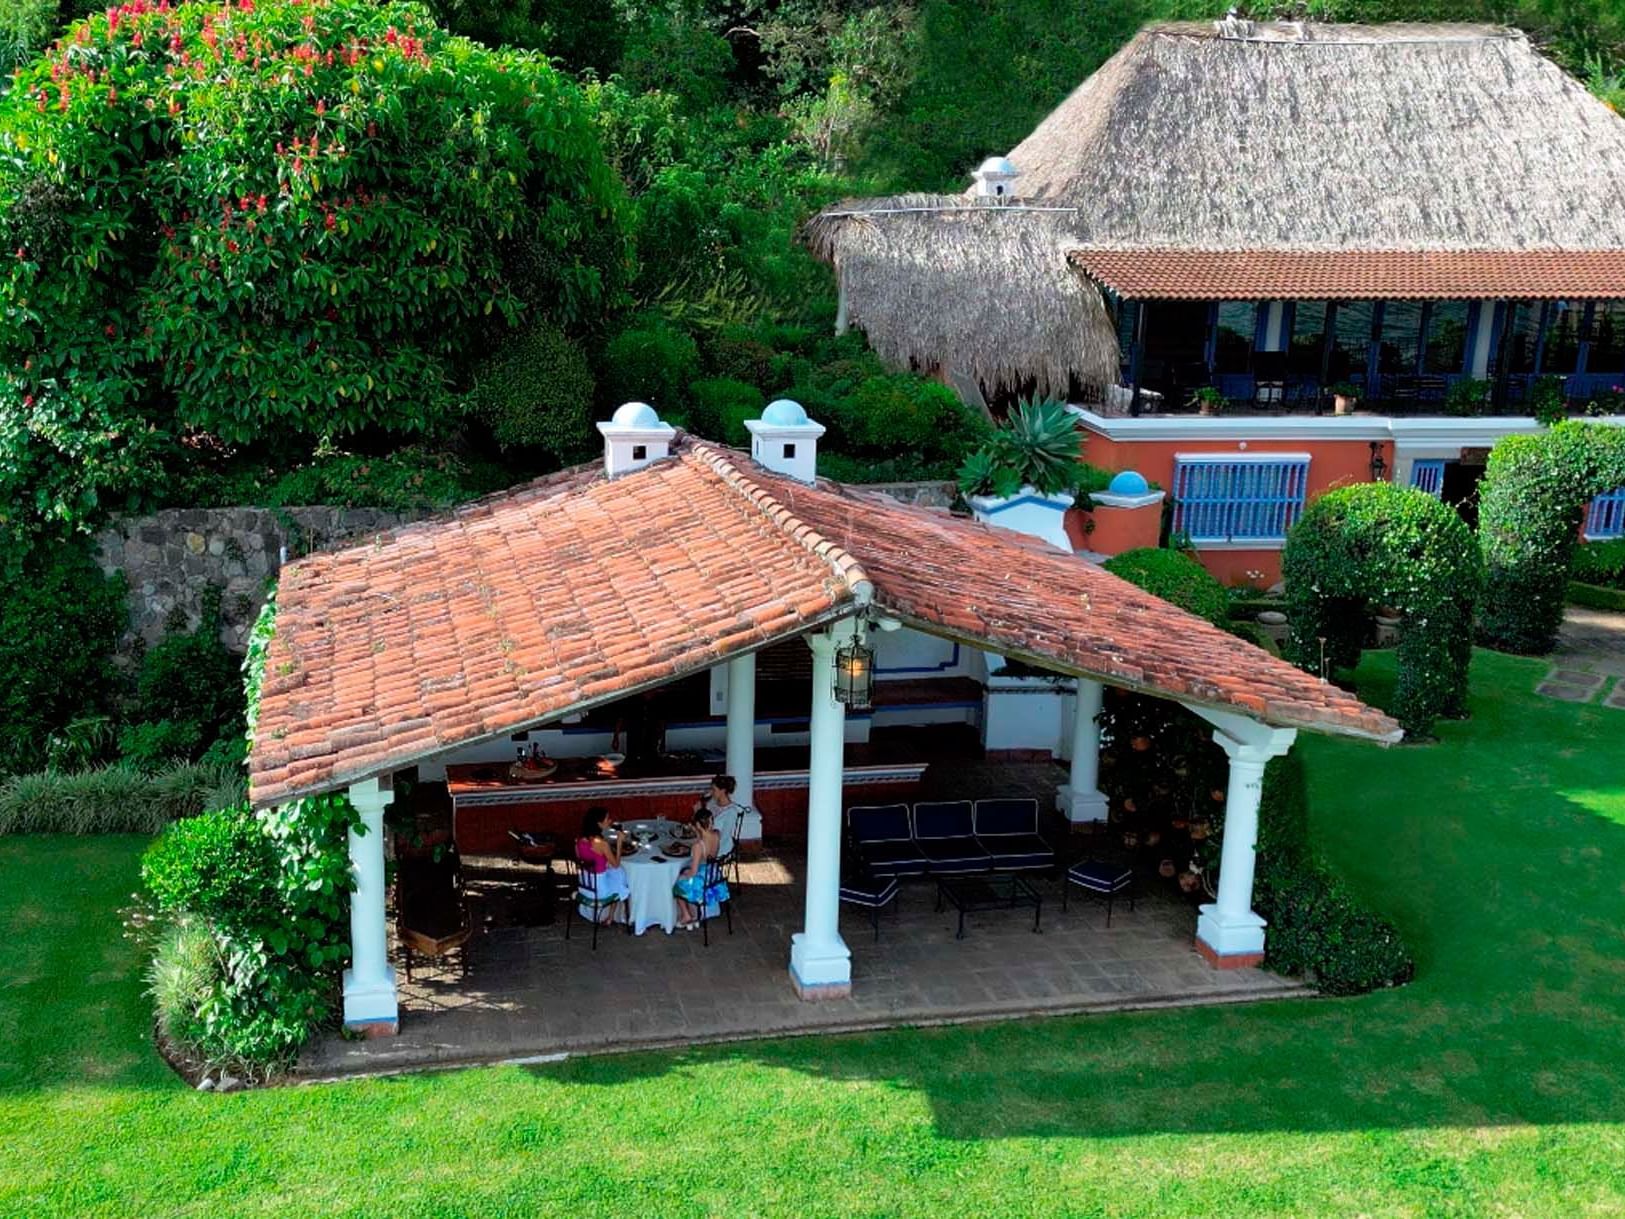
(1225,498)
(1428,475)
(1606,516)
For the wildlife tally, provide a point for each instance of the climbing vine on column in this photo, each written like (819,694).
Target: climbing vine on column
(1379,544)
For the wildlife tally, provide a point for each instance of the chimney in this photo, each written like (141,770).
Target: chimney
(995,178)
(634,437)
(785,441)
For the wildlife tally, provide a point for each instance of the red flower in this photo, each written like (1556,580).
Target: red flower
(232,245)
(110,330)
(174,42)
(321,106)
(261,205)
(330,222)
(28,399)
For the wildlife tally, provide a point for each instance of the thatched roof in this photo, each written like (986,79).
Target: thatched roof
(1237,136)
(977,288)
(1332,137)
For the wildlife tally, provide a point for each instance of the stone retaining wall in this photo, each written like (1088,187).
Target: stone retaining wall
(925,494)
(171,558)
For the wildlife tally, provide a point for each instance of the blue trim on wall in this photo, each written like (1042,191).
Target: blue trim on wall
(1017,502)
(951,663)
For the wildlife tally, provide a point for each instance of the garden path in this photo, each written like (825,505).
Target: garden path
(1589,658)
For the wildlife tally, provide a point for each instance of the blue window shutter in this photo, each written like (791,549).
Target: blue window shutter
(1222,499)
(1606,516)
(1428,476)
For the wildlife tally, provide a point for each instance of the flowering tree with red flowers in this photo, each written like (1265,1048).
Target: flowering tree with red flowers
(255,223)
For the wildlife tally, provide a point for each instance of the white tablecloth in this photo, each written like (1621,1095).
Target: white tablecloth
(650,876)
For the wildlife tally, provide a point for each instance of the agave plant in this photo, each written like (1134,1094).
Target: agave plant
(1036,447)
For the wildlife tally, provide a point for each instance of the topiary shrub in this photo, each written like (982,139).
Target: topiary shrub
(1316,926)
(720,407)
(1377,543)
(1531,502)
(535,392)
(654,363)
(1174,576)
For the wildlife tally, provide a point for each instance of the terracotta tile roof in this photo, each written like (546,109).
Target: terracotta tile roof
(998,589)
(1180,274)
(571,591)
(576,590)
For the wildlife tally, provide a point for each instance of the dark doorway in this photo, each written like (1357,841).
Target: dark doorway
(1174,360)
(1460,489)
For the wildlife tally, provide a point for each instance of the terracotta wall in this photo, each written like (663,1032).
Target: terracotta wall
(1332,464)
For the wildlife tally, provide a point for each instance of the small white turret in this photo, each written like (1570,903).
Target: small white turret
(633,437)
(995,178)
(785,441)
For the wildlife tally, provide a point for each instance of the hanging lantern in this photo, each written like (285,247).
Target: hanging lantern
(854,675)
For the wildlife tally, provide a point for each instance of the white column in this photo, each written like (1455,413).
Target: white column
(1081,799)
(1478,359)
(820,963)
(841,325)
(741,736)
(369,984)
(1229,931)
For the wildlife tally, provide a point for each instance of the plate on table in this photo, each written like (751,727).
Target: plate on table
(629,850)
(676,850)
(684,833)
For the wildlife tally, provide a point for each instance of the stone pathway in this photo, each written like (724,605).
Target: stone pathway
(1589,659)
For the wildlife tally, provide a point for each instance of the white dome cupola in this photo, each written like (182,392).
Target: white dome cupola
(785,441)
(633,437)
(995,178)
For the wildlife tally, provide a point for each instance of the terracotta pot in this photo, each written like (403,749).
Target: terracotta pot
(1166,869)
(1129,806)
(1342,404)
(1179,823)
(1153,837)
(1200,830)
(1140,744)
(1131,838)
(1188,882)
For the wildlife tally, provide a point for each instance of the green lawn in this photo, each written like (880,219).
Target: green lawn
(1493,1085)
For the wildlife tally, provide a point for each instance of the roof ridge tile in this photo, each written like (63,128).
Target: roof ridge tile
(841,561)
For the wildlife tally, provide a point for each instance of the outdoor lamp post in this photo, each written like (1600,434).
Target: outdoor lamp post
(854,675)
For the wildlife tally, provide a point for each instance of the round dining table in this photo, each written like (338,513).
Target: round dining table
(650,874)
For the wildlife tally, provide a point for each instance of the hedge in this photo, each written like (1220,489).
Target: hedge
(1174,576)
(1316,926)
(1594,596)
(1377,543)
(118,799)
(1534,491)
(1600,563)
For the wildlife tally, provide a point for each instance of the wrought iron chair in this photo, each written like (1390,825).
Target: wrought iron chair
(431,914)
(714,890)
(584,892)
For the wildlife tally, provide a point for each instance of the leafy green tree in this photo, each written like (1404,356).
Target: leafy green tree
(270,222)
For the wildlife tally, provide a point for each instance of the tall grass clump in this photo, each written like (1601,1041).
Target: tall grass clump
(115,799)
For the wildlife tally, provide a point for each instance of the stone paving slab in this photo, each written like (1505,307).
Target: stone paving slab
(1566,692)
(1617,698)
(526,991)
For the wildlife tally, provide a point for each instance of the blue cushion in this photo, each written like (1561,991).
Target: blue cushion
(893,858)
(955,855)
(1099,877)
(879,823)
(1015,852)
(943,819)
(1006,817)
(868,890)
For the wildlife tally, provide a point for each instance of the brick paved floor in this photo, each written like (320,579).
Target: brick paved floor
(527,991)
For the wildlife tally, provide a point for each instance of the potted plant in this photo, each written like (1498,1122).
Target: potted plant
(1025,477)
(1207,401)
(1344,397)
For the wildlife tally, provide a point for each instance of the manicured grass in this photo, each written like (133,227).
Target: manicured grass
(1495,1085)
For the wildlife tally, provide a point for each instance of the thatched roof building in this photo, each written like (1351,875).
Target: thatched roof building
(1244,137)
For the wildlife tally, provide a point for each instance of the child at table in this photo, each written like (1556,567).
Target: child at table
(597,855)
(690,891)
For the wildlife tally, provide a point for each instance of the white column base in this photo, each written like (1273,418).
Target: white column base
(370,1007)
(1081,806)
(821,970)
(1229,941)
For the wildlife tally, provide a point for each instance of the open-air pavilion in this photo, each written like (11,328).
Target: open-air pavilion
(676,556)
